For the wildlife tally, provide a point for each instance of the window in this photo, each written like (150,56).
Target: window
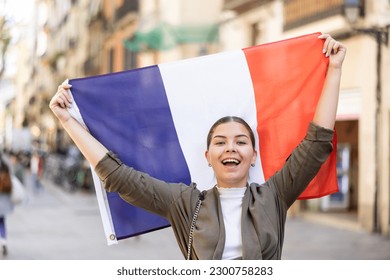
(130,59)
(111,57)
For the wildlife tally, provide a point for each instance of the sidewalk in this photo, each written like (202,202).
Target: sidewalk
(58,225)
(332,236)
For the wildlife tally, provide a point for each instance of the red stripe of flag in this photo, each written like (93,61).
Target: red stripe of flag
(287,88)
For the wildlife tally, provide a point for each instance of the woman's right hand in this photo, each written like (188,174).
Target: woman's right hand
(89,146)
(60,103)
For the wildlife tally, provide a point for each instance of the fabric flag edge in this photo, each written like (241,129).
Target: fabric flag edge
(101,195)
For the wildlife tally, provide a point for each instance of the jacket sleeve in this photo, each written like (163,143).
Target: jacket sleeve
(303,163)
(137,188)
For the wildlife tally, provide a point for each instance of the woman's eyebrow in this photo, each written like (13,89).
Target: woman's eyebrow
(242,135)
(219,136)
(236,136)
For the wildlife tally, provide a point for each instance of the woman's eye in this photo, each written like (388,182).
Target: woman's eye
(241,142)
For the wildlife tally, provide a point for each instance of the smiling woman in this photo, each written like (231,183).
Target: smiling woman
(235,219)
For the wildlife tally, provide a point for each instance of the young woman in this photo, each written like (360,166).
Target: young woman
(232,220)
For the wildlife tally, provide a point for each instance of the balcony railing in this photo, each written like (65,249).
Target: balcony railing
(241,6)
(128,6)
(301,12)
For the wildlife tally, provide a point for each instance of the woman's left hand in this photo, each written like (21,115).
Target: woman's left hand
(334,50)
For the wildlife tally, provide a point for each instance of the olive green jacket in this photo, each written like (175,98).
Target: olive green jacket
(264,206)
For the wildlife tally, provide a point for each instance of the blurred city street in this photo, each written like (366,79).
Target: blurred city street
(60,225)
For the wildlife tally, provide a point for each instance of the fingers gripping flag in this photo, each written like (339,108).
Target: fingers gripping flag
(156,118)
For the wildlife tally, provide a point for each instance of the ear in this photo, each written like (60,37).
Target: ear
(254,157)
(206,154)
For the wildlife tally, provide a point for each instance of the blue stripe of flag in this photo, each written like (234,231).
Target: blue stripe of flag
(137,125)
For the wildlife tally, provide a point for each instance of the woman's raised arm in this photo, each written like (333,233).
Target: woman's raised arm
(325,114)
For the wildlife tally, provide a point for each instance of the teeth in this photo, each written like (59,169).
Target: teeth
(231,160)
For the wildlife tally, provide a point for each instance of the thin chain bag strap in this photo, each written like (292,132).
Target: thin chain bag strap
(194,219)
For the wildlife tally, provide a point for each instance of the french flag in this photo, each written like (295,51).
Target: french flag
(156,118)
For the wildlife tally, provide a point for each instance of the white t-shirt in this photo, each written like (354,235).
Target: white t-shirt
(231,203)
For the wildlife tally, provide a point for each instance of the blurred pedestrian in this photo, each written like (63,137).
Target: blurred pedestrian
(36,167)
(6,204)
(17,165)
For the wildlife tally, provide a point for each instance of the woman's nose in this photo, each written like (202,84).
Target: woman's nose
(230,147)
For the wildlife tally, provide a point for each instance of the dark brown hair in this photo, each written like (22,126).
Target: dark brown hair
(230,119)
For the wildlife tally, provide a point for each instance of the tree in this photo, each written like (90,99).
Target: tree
(5,39)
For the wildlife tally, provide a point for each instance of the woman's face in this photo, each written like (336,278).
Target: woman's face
(231,154)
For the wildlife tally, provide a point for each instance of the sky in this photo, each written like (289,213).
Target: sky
(20,11)
(20,14)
